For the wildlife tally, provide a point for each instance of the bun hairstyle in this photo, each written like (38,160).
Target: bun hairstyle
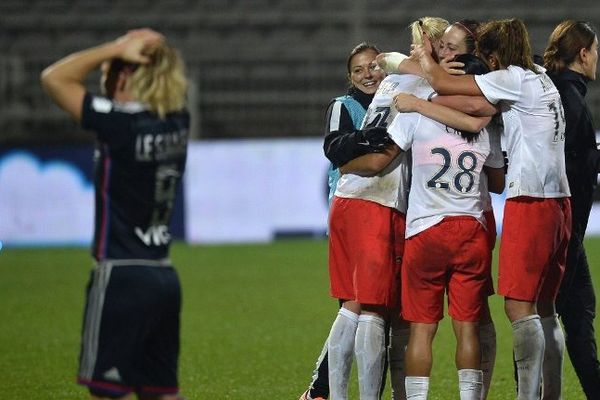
(509,39)
(434,27)
(565,42)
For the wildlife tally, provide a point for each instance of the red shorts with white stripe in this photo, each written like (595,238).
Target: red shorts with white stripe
(366,244)
(452,255)
(533,249)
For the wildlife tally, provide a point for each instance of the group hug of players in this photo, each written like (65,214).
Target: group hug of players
(416,148)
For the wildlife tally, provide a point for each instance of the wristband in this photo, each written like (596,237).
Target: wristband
(393,61)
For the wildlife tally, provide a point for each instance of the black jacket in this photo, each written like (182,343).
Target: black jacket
(582,156)
(342,145)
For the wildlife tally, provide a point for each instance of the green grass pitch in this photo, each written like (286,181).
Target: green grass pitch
(254,320)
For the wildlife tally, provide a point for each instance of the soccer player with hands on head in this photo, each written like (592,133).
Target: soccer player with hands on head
(130,337)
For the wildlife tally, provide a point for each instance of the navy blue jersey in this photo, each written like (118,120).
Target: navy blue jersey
(139,161)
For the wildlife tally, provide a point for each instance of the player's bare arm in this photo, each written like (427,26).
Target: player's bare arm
(405,102)
(371,164)
(398,63)
(63,80)
(441,81)
(473,105)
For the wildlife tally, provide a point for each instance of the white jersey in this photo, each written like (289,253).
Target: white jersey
(534,128)
(390,186)
(446,171)
(494,160)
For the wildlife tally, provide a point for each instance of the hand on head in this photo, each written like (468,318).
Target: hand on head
(427,43)
(418,50)
(137,45)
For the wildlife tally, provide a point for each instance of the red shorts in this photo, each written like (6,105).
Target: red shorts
(490,225)
(533,249)
(452,255)
(366,244)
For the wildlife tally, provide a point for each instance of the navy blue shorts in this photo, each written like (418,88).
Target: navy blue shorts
(130,338)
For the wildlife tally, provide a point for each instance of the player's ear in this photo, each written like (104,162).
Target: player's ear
(493,62)
(583,55)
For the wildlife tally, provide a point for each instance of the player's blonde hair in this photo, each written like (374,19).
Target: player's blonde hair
(161,84)
(434,27)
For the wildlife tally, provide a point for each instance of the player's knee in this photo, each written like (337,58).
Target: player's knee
(516,309)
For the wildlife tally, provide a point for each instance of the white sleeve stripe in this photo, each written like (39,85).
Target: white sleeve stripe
(336,114)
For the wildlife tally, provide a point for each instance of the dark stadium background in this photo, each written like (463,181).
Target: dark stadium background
(258,68)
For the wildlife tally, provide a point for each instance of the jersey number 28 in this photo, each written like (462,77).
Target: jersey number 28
(464,180)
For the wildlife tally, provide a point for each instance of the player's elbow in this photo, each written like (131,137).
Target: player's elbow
(476,124)
(481,107)
(50,82)
(46,79)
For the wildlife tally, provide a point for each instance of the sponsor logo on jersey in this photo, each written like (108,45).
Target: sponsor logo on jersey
(154,236)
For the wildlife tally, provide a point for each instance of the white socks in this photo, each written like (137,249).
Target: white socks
(529,346)
(487,344)
(396,353)
(470,384)
(370,354)
(553,358)
(340,347)
(417,387)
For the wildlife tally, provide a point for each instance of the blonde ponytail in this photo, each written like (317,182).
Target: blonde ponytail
(434,27)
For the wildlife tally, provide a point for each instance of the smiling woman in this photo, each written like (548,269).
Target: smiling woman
(344,141)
